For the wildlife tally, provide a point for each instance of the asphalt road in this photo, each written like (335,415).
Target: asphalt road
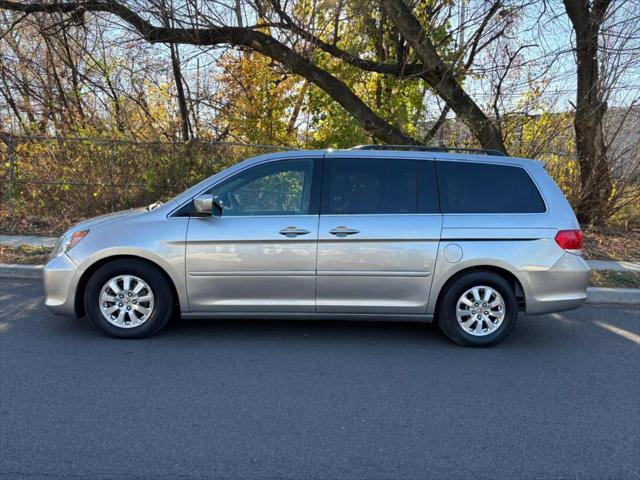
(314,400)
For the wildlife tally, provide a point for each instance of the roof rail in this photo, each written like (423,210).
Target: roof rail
(426,148)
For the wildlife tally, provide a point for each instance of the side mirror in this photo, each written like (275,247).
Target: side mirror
(205,205)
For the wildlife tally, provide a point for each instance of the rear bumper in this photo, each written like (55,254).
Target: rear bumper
(60,278)
(562,287)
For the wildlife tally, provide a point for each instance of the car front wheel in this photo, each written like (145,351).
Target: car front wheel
(128,298)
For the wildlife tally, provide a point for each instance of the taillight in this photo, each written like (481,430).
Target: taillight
(570,240)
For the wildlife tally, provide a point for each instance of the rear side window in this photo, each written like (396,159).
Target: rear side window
(360,186)
(485,188)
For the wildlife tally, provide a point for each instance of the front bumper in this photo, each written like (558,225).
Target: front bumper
(562,287)
(61,277)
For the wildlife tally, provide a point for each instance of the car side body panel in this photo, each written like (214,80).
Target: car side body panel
(386,267)
(244,264)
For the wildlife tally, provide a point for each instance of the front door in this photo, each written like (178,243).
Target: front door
(260,254)
(378,235)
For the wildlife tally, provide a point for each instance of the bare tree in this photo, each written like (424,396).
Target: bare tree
(203,27)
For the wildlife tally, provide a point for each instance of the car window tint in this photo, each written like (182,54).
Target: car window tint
(467,187)
(277,188)
(370,185)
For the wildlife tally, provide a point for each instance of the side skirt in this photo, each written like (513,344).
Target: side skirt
(364,317)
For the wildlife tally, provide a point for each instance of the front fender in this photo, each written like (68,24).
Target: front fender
(160,241)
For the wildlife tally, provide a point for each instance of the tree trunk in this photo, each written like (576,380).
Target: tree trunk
(595,176)
(182,100)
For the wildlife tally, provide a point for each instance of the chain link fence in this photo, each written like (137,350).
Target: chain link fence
(47,184)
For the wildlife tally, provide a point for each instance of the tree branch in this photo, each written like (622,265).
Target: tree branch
(441,78)
(396,69)
(238,36)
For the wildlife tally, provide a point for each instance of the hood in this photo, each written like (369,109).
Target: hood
(92,222)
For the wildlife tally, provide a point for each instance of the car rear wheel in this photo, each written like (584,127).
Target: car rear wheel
(478,309)
(128,299)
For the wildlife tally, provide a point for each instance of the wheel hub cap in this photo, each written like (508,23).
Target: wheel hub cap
(480,310)
(126,301)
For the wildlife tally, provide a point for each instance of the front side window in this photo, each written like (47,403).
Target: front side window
(276,188)
(361,186)
(467,187)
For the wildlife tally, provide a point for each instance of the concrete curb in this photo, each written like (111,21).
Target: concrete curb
(14,270)
(625,296)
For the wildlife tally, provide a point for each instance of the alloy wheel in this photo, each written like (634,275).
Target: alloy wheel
(126,301)
(480,310)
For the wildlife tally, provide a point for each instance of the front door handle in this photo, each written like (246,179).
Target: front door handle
(343,231)
(292,232)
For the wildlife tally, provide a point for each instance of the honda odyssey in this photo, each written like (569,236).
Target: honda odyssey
(467,239)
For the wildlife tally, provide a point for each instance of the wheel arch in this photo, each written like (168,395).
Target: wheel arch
(504,273)
(78,306)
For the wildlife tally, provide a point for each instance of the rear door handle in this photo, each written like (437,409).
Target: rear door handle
(292,232)
(343,231)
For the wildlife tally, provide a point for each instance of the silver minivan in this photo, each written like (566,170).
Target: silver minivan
(468,239)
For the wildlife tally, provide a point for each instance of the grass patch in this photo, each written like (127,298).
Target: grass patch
(24,255)
(611,279)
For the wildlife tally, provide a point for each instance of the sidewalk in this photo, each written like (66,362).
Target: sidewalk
(616,266)
(34,241)
(28,240)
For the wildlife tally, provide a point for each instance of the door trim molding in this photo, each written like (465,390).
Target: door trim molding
(256,273)
(371,273)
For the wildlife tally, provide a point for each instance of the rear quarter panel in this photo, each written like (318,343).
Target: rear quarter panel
(522,244)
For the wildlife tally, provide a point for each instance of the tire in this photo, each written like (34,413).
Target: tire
(138,314)
(492,328)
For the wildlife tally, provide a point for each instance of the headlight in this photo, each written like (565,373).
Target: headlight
(68,241)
